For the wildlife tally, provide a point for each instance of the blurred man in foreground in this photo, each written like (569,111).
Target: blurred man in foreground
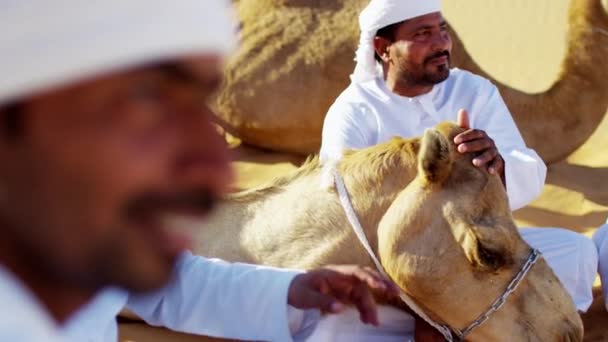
(104,137)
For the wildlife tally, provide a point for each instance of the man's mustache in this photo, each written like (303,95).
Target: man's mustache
(437,55)
(146,205)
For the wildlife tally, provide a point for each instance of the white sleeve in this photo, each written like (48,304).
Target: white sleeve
(218,299)
(525,171)
(346,127)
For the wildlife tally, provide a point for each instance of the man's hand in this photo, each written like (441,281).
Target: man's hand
(331,287)
(477,141)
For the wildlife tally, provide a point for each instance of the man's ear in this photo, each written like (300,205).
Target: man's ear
(381,46)
(435,158)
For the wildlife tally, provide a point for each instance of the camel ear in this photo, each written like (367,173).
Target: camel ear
(434,159)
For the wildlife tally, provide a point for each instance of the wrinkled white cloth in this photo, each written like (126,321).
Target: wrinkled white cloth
(45,44)
(379,14)
(368,113)
(395,326)
(600,237)
(207,297)
(22,317)
(572,257)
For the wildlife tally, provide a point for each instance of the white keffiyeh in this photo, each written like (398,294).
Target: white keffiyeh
(45,44)
(379,14)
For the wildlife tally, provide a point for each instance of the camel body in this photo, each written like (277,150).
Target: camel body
(442,228)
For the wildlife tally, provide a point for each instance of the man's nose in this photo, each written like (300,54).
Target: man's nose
(204,158)
(442,42)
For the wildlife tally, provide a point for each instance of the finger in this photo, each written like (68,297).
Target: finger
(382,285)
(352,273)
(497,165)
(364,301)
(479,145)
(310,299)
(485,158)
(387,288)
(463,119)
(372,278)
(471,134)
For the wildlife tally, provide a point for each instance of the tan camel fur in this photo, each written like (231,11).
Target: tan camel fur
(296,56)
(441,226)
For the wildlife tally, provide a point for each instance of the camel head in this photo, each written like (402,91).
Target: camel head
(450,242)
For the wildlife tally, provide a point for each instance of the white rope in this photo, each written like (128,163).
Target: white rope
(356,225)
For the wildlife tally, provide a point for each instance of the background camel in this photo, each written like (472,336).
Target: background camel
(296,56)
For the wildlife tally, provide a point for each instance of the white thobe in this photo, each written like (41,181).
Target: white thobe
(22,316)
(368,113)
(207,297)
(600,237)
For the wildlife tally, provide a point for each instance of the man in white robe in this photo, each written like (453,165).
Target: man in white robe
(104,135)
(403,84)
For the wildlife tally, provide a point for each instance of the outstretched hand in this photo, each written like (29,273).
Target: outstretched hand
(332,287)
(478,141)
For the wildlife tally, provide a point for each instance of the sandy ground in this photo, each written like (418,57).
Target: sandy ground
(575,197)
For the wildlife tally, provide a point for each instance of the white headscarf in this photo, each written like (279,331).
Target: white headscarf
(48,43)
(379,14)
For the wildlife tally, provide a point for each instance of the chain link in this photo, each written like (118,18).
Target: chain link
(500,301)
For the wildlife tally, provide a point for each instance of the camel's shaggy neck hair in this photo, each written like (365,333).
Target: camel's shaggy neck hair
(363,166)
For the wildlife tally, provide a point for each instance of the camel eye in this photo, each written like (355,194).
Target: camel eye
(491,259)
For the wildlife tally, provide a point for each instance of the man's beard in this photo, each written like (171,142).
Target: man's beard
(421,76)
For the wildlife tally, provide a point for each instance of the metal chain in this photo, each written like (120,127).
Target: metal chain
(500,301)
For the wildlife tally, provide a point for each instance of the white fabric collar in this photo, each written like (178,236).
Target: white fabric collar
(22,316)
